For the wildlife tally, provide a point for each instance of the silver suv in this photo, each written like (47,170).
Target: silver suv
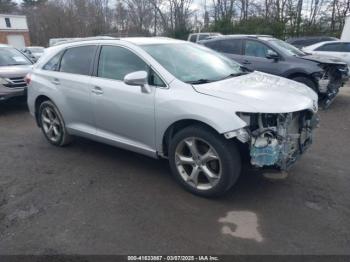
(173,99)
(13,68)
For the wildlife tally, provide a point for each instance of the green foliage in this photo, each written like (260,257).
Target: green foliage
(254,25)
(224,26)
(180,33)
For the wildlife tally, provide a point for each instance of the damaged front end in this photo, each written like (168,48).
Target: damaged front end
(277,140)
(330,80)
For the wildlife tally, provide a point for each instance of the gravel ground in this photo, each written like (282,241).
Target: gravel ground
(91,198)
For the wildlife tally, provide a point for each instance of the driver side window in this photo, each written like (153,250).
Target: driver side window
(256,49)
(116,62)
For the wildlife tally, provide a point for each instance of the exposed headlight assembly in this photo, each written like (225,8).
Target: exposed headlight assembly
(322,81)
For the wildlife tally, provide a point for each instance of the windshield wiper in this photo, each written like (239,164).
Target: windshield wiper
(199,81)
(235,75)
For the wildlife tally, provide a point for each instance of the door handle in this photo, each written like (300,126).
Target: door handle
(97,90)
(55,81)
(246,62)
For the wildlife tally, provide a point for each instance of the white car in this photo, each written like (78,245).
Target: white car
(338,49)
(172,99)
(196,37)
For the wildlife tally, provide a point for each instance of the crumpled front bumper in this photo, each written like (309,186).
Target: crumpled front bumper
(281,153)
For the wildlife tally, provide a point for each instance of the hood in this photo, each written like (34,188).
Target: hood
(262,93)
(323,59)
(15,71)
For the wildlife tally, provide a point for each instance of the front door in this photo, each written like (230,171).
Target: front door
(123,113)
(255,58)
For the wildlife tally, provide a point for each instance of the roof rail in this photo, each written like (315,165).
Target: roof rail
(256,36)
(86,39)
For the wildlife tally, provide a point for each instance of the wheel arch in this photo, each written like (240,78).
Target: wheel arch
(302,74)
(176,127)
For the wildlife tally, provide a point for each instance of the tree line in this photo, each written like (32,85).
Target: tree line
(177,18)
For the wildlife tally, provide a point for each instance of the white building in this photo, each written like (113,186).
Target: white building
(14,30)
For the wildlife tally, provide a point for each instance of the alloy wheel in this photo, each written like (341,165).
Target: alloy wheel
(51,124)
(198,163)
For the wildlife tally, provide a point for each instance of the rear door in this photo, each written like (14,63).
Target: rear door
(73,81)
(231,48)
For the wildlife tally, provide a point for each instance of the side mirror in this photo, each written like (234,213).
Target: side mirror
(138,78)
(272,55)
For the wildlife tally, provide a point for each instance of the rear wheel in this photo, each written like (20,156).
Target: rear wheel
(203,162)
(52,124)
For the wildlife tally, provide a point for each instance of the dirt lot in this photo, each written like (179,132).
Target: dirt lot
(91,198)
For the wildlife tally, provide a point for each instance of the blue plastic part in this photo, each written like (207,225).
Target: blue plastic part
(265,156)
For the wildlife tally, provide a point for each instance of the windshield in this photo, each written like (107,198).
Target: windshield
(36,49)
(193,63)
(287,48)
(11,57)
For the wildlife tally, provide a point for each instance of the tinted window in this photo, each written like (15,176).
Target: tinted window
(116,62)
(193,38)
(202,37)
(78,60)
(255,48)
(336,47)
(346,47)
(54,63)
(231,46)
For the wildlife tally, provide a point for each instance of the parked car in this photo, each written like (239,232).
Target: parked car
(35,51)
(13,68)
(301,42)
(270,55)
(173,99)
(338,49)
(195,37)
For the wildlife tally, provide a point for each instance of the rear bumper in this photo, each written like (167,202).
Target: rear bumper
(6,93)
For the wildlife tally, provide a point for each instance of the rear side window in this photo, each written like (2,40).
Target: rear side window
(336,47)
(230,46)
(54,63)
(193,38)
(116,62)
(78,60)
(346,47)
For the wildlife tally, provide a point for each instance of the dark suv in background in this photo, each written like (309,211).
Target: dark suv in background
(274,56)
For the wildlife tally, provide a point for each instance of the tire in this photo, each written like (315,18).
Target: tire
(52,124)
(306,81)
(191,167)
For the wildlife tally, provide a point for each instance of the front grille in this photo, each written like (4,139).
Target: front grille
(16,82)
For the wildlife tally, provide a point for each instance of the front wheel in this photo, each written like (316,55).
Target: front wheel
(204,162)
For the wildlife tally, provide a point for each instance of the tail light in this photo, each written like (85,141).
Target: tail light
(28,78)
